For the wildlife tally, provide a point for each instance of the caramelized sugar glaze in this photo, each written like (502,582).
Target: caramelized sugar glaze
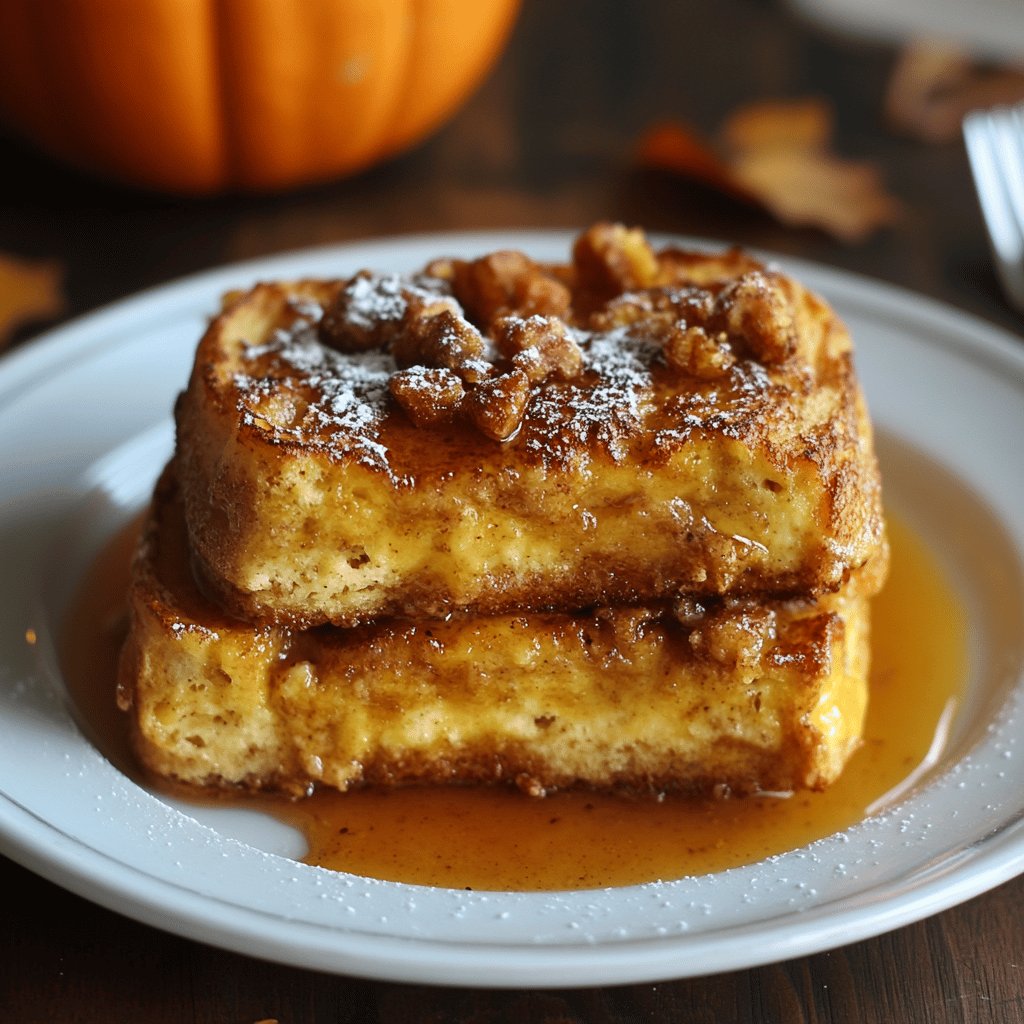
(491,838)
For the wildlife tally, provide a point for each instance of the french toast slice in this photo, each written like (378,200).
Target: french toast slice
(728,696)
(496,435)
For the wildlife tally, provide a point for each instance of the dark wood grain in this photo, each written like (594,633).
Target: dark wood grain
(546,142)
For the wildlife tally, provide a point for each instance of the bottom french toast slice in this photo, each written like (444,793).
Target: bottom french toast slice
(720,698)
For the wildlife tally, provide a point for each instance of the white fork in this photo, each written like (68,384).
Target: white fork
(995,148)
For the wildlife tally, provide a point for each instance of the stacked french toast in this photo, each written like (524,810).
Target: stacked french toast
(613,522)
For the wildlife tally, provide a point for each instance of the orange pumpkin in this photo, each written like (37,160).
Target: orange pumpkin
(204,96)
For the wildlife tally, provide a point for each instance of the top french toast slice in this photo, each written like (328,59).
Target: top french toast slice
(497,434)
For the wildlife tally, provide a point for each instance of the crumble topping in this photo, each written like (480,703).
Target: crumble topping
(561,359)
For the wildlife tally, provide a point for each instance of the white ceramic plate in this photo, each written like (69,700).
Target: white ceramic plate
(84,428)
(987,28)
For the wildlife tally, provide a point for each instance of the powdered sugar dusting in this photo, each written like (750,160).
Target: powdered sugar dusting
(607,409)
(370,299)
(373,299)
(739,398)
(345,394)
(338,397)
(307,390)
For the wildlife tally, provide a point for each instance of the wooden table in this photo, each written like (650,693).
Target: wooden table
(546,142)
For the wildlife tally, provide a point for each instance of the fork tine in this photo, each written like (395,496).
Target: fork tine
(995,148)
(1010,129)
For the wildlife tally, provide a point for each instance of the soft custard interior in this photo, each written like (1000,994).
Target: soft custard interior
(734,697)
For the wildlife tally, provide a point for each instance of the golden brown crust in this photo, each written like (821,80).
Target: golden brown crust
(497,434)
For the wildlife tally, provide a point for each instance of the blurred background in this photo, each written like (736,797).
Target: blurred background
(542,124)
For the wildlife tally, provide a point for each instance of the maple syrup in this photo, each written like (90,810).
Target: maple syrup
(489,838)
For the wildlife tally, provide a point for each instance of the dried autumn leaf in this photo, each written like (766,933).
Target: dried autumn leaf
(934,85)
(30,291)
(796,126)
(776,154)
(674,146)
(843,198)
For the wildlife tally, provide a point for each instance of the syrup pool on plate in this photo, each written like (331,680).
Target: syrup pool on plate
(488,838)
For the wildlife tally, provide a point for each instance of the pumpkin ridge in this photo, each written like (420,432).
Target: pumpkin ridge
(489,24)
